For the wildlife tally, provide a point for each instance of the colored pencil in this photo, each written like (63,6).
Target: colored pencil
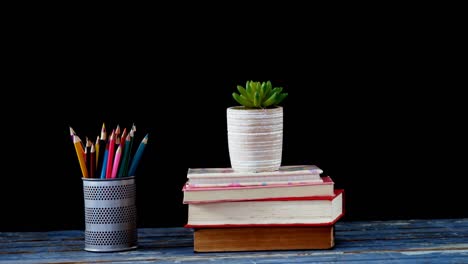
(128,154)
(110,157)
(125,157)
(122,138)
(104,161)
(115,166)
(96,149)
(72,133)
(137,156)
(102,146)
(92,162)
(117,135)
(87,153)
(80,155)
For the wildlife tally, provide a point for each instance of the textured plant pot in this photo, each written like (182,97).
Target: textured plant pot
(255,138)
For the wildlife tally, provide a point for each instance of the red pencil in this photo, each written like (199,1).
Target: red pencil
(117,135)
(87,155)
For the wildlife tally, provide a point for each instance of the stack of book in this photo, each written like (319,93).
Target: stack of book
(292,208)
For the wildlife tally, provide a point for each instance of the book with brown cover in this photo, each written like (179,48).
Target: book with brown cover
(263,238)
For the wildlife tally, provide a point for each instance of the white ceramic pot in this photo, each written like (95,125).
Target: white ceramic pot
(255,138)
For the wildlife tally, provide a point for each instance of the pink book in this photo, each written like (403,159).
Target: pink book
(192,194)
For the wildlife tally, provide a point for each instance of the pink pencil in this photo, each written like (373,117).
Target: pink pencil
(118,154)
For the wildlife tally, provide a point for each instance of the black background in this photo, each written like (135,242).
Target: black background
(375,105)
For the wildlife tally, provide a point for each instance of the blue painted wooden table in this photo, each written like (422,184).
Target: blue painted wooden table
(409,241)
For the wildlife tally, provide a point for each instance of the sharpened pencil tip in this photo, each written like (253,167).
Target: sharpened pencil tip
(103,132)
(72,132)
(76,139)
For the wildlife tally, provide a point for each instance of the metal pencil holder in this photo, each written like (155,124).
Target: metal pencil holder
(110,214)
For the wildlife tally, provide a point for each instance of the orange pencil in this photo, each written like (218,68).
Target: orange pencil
(80,155)
(72,133)
(96,147)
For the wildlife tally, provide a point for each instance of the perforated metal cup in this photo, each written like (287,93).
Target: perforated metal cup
(110,214)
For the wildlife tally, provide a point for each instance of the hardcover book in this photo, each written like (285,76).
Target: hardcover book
(253,192)
(263,238)
(299,211)
(213,177)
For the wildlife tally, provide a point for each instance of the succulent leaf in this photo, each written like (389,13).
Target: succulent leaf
(262,91)
(248,88)
(281,97)
(242,100)
(271,101)
(242,90)
(268,92)
(257,99)
(277,90)
(259,95)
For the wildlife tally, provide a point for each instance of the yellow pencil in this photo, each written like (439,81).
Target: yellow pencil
(72,133)
(96,148)
(80,155)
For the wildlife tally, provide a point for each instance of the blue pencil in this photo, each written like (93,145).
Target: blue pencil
(137,156)
(104,163)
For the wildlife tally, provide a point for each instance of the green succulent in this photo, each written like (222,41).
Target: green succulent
(259,95)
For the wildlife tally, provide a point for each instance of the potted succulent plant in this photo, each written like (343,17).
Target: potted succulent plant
(255,127)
